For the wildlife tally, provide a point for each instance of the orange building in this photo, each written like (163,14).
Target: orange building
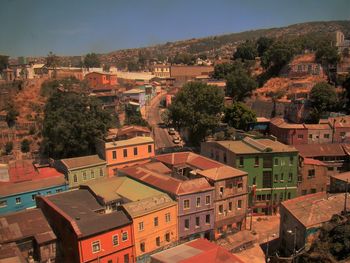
(120,154)
(154,224)
(100,80)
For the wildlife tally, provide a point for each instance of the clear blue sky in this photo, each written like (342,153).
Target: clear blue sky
(72,27)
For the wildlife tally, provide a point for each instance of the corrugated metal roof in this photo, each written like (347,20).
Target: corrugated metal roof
(317,150)
(129,142)
(342,176)
(83,161)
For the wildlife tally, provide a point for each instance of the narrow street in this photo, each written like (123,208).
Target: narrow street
(153,115)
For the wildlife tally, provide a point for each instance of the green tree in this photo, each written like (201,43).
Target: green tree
(346,86)
(239,83)
(72,123)
(25,146)
(222,70)
(323,97)
(263,44)
(11,115)
(8,148)
(91,60)
(198,108)
(238,116)
(246,51)
(134,117)
(4,62)
(52,60)
(277,55)
(327,55)
(275,96)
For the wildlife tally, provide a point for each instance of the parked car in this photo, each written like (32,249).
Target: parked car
(171,131)
(176,141)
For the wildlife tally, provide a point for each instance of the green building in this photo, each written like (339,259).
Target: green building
(80,170)
(272,169)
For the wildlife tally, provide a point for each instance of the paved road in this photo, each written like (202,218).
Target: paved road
(161,137)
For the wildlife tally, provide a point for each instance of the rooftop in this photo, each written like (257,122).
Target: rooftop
(25,224)
(134,91)
(81,208)
(148,205)
(251,146)
(199,250)
(166,182)
(281,123)
(84,161)
(313,162)
(342,176)
(115,188)
(316,150)
(129,142)
(315,209)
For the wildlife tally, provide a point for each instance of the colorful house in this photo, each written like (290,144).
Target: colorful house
(194,197)
(137,96)
(120,154)
(288,133)
(79,170)
(24,181)
(271,166)
(230,198)
(127,132)
(101,79)
(85,231)
(27,235)
(153,212)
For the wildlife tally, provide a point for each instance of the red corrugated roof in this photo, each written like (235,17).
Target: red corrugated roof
(313,161)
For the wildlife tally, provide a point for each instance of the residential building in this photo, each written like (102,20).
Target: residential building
(127,132)
(341,128)
(79,170)
(230,187)
(86,233)
(23,181)
(161,70)
(304,65)
(119,154)
(288,133)
(333,155)
(101,79)
(27,235)
(313,176)
(199,250)
(301,219)
(183,73)
(154,213)
(137,96)
(340,183)
(194,197)
(271,166)
(319,133)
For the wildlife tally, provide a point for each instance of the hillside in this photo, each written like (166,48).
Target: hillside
(213,46)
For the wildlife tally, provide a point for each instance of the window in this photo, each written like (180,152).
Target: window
(135,150)
(84,176)
(155,221)
(303,192)
(75,179)
(311,173)
(149,148)
(187,224)
(141,228)
(330,168)
(207,200)
(254,180)
(221,209)
(275,196)
(110,261)
(326,136)
(167,237)
(267,179)
(58,190)
(33,197)
(300,178)
(300,136)
(114,154)
(197,221)
(289,195)
(142,247)
(48,192)
(3,203)
(115,240)
(211,153)
(256,162)
(282,175)
(230,206)
(225,158)
(291,160)
(126,258)
(310,136)
(240,186)
(290,177)
(96,246)
(276,161)
(198,202)
(167,217)
(220,230)
(207,219)
(258,197)
(125,236)
(221,190)
(92,174)
(101,172)
(268,197)
(342,134)
(313,190)
(186,204)
(241,161)
(125,153)
(158,241)
(18,200)
(276,178)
